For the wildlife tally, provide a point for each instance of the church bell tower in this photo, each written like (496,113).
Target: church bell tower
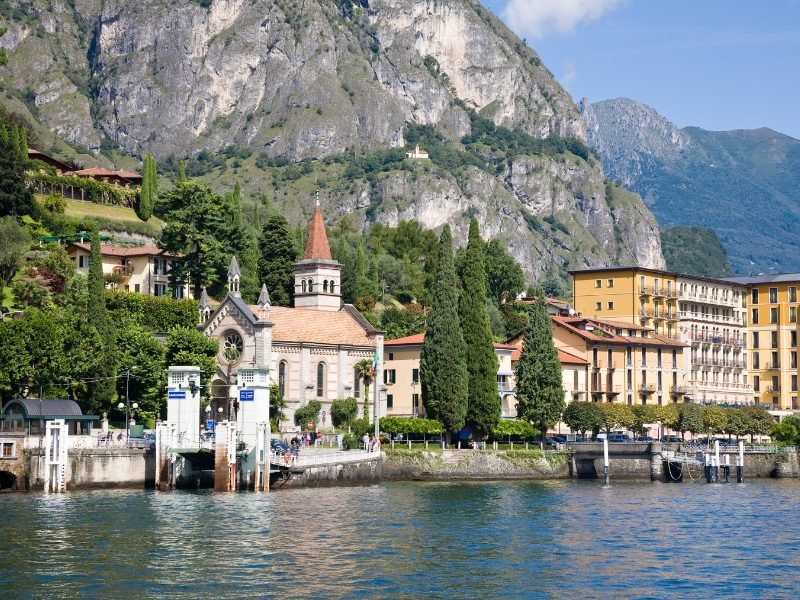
(317,277)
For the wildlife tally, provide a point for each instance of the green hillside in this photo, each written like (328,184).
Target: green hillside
(695,251)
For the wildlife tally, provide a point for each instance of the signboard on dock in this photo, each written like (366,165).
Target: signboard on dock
(247,395)
(179,395)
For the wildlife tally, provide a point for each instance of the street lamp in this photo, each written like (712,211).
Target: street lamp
(128,401)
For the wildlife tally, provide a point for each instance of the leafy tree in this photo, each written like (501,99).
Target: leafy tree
(199,227)
(583,416)
(503,273)
(102,390)
(411,425)
(695,251)
(715,419)
(669,415)
(187,346)
(690,418)
(309,412)
(276,259)
(515,317)
(737,422)
(142,356)
(788,431)
(147,195)
(483,404)
(14,241)
(540,394)
(616,416)
(277,406)
(760,422)
(15,196)
(343,411)
(443,368)
(397,323)
(363,369)
(643,413)
(31,290)
(519,429)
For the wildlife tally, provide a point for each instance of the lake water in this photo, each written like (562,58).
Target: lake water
(401,540)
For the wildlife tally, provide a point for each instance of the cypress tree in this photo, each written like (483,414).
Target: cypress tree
(443,365)
(276,259)
(15,196)
(102,390)
(147,195)
(23,144)
(483,407)
(540,394)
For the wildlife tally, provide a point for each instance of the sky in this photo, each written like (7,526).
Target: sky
(719,65)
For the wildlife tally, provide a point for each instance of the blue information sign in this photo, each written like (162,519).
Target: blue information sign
(181,395)
(247,395)
(209,425)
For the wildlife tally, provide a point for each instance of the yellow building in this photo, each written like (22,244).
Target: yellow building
(630,294)
(772,339)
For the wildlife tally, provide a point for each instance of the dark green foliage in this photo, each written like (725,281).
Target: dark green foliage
(540,394)
(556,285)
(15,197)
(309,412)
(505,430)
(147,195)
(411,425)
(199,227)
(759,421)
(343,411)
(583,416)
(397,323)
(102,390)
(152,313)
(142,355)
(443,368)
(695,251)
(483,406)
(277,404)
(14,241)
(788,432)
(503,273)
(276,259)
(690,418)
(3,53)
(186,346)
(515,317)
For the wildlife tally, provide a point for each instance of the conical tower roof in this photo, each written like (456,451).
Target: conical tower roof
(317,247)
(263,297)
(204,303)
(233,269)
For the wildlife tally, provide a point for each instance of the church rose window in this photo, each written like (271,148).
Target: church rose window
(231,340)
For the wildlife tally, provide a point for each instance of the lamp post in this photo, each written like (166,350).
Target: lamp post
(128,401)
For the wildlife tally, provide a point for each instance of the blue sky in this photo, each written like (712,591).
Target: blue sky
(715,64)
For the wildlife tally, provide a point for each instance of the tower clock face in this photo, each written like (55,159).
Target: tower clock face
(232,341)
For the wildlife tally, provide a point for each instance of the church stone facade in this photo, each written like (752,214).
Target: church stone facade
(310,350)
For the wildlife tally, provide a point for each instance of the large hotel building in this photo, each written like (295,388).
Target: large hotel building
(707,315)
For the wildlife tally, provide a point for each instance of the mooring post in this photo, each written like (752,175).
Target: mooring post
(605,458)
(726,467)
(707,466)
(716,461)
(740,463)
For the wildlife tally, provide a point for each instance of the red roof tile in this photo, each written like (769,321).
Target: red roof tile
(108,250)
(317,242)
(570,359)
(317,326)
(417,338)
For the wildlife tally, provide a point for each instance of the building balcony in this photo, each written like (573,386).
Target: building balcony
(773,389)
(646,313)
(608,390)
(680,390)
(645,291)
(647,388)
(122,271)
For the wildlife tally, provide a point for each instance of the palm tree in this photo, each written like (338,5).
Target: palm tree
(364,370)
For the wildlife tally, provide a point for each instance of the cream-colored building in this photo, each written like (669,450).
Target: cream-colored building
(141,269)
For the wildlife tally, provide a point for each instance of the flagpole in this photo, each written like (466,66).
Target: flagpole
(375,360)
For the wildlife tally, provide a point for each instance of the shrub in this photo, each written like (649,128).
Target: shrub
(343,411)
(309,412)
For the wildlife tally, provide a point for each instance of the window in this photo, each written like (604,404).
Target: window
(755,316)
(160,289)
(391,356)
(598,306)
(414,375)
(137,288)
(756,361)
(610,283)
(755,296)
(792,294)
(303,285)
(755,339)
(793,339)
(775,364)
(756,383)
(598,283)
(320,380)
(610,306)
(774,338)
(415,402)
(792,314)
(773,295)
(389,401)
(232,343)
(794,383)
(773,314)
(389,376)
(325,286)
(356,383)
(8,450)
(793,359)
(282,378)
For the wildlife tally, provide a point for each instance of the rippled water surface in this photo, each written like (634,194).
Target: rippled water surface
(434,540)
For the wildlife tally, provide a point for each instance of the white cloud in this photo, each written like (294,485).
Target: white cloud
(569,74)
(535,18)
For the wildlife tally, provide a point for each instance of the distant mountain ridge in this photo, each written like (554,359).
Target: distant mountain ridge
(743,184)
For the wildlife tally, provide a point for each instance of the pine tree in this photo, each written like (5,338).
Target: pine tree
(102,390)
(147,195)
(540,394)
(276,259)
(15,196)
(23,144)
(443,365)
(483,407)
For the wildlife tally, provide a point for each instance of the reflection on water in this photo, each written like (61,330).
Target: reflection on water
(492,540)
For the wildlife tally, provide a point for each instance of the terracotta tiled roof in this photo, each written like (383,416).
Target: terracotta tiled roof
(570,359)
(573,324)
(417,338)
(100,172)
(621,324)
(316,326)
(317,242)
(505,346)
(107,250)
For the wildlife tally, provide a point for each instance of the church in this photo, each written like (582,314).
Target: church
(310,350)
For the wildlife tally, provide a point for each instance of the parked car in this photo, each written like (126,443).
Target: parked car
(671,439)
(645,438)
(278,446)
(560,439)
(207,437)
(619,437)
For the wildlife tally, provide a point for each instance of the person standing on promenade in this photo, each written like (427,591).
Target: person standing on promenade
(366,442)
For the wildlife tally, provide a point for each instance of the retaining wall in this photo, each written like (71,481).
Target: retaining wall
(98,468)
(363,471)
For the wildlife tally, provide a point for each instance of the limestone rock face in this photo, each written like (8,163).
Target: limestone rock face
(309,79)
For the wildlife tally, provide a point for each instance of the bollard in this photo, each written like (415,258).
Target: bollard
(716,461)
(707,467)
(726,467)
(605,459)
(740,463)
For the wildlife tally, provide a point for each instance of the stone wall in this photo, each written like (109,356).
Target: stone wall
(98,468)
(365,471)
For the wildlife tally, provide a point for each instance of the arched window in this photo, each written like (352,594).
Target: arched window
(320,380)
(282,378)
(356,383)
(310,285)
(325,286)
(332,287)
(304,286)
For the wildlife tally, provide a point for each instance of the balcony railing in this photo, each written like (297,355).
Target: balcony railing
(647,388)
(682,389)
(773,389)
(123,270)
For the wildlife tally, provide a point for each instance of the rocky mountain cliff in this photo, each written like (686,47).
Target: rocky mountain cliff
(742,184)
(300,80)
